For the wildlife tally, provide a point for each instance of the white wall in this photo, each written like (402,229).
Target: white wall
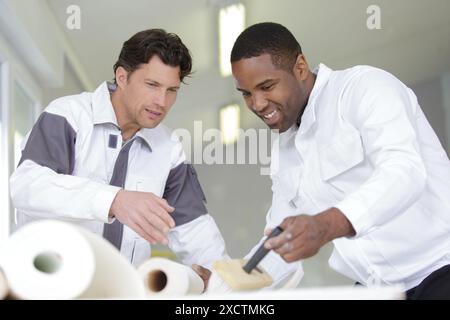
(72,85)
(32,32)
(445,87)
(430,97)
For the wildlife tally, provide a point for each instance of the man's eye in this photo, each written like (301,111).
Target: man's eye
(151,84)
(265,88)
(245,94)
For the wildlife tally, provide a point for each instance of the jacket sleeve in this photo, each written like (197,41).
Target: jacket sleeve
(196,237)
(198,241)
(43,185)
(384,112)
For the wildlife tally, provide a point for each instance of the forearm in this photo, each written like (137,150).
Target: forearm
(335,224)
(41,192)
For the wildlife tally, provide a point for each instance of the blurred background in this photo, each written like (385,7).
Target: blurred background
(52,48)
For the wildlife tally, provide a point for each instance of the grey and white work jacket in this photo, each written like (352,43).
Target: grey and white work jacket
(67,163)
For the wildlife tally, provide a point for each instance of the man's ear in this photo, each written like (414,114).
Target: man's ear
(121,77)
(301,68)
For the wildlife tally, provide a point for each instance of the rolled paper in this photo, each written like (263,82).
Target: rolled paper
(163,277)
(50,259)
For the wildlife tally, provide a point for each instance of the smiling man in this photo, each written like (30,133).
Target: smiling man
(103,160)
(258,77)
(359,165)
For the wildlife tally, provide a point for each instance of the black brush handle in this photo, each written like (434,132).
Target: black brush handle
(261,252)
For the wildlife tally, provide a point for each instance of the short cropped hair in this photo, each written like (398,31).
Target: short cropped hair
(141,47)
(267,38)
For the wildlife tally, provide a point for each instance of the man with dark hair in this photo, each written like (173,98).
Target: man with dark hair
(105,161)
(358,165)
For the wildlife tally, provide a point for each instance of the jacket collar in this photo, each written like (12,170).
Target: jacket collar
(323,74)
(102,108)
(103,111)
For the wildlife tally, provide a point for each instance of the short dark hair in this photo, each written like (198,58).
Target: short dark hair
(271,38)
(141,47)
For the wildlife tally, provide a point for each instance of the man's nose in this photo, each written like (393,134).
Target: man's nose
(259,102)
(160,98)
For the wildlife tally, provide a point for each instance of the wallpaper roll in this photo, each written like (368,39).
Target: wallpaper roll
(163,277)
(4,289)
(56,260)
(216,285)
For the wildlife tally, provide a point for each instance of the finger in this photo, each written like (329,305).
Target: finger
(303,250)
(294,255)
(167,219)
(142,233)
(285,248)
(197,270)
(278,241)
(267,232)
(286,223)
(163,202)
(295,225)
(155,219)
(202,272)
(153,232)
(207,273)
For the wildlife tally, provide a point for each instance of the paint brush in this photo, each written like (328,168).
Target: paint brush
(242,275)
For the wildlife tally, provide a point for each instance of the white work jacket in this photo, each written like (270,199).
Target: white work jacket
(365,147)
(67,163)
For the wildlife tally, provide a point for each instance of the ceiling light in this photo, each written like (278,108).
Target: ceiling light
(231,24)
(229,123)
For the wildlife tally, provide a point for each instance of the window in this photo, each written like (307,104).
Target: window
(19,97)
(229,123)
(4,151)
(18,111)
(23,115)
(24,111)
